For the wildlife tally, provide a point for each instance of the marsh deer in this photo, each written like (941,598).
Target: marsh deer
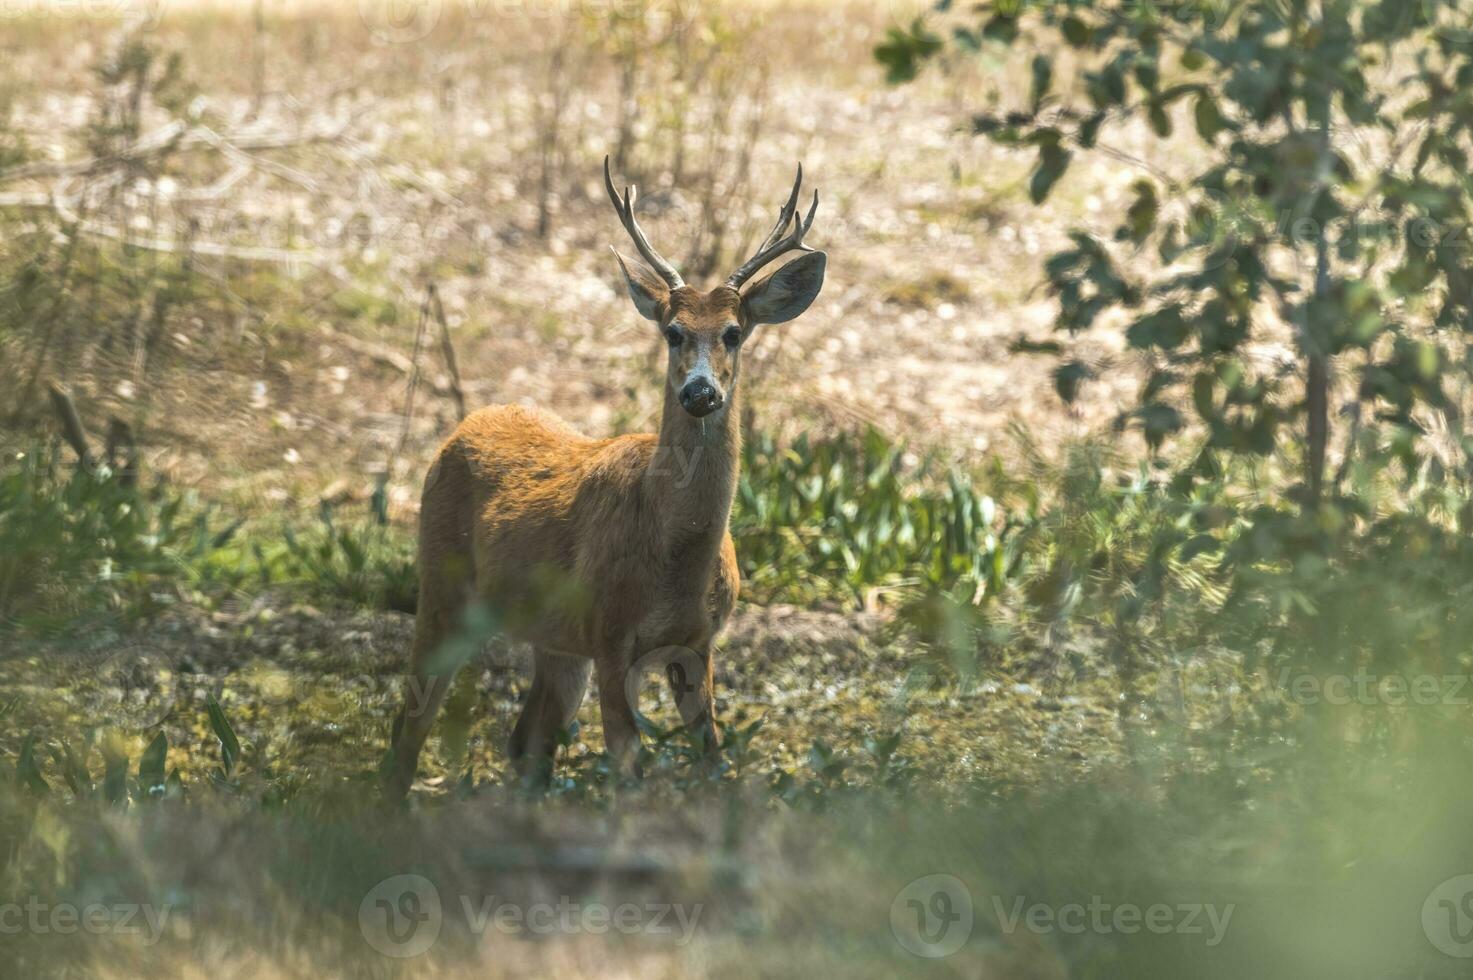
(600,552)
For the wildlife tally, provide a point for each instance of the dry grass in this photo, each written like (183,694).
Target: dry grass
(439,175)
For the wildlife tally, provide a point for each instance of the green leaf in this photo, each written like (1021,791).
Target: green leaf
(1209,118)
(1076,31)
(1148,75)
(1140,219)
(1202,544)
(1023,345)
(1053,160)
(114,776)
(1166,329)
(229,744)
(27,773)
(151,766)
(1068,378)
(1043,77)
(1090,131)
(1204,395)
(1002,27)
(1160,121)
(904,50)
(1157,421)
(74,768)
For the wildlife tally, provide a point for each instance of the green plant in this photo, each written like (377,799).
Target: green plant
(366,564)
(87,544)
(153,780)
(839,518)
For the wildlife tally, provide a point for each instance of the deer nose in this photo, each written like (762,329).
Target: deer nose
(700,398)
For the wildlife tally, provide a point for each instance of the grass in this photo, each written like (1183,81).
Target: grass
(804,870)
(928,291)
(81,549)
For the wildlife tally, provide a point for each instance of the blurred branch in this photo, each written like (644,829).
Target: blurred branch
(383,354)
(171,138)
(71,425)
(447,349)
(63,204)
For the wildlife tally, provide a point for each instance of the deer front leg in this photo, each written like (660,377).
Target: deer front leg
(615,701)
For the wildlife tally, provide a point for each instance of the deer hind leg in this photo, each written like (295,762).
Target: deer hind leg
(693,685)
(621,734)
(559,682)
(446,583)
(424,693)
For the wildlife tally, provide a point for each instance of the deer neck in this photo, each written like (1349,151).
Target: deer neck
(692,480)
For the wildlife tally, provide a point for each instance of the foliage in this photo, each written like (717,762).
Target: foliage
(1327,209)
(81,544)
(841,517)
(80,547)
(367,564)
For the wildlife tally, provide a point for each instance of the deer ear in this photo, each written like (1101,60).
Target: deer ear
(650,295)
(785,294)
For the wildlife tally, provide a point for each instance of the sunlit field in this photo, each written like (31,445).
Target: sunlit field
(1102,524)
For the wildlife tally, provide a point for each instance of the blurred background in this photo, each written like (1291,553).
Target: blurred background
(1102,525)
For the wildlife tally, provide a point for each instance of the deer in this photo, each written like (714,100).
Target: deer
(602,553)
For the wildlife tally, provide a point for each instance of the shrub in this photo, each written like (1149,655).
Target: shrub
(79,546)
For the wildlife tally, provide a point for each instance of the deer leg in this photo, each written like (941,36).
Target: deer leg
(621,735)
(559,682)
(446,581)
(424,693)
(695,696)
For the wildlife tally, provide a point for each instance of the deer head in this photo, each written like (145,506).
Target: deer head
(706,330)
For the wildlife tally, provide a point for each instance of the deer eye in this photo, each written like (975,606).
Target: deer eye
(731,338)
(674,336)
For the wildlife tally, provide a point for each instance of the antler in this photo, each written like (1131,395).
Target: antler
(776,243)
(625,208)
